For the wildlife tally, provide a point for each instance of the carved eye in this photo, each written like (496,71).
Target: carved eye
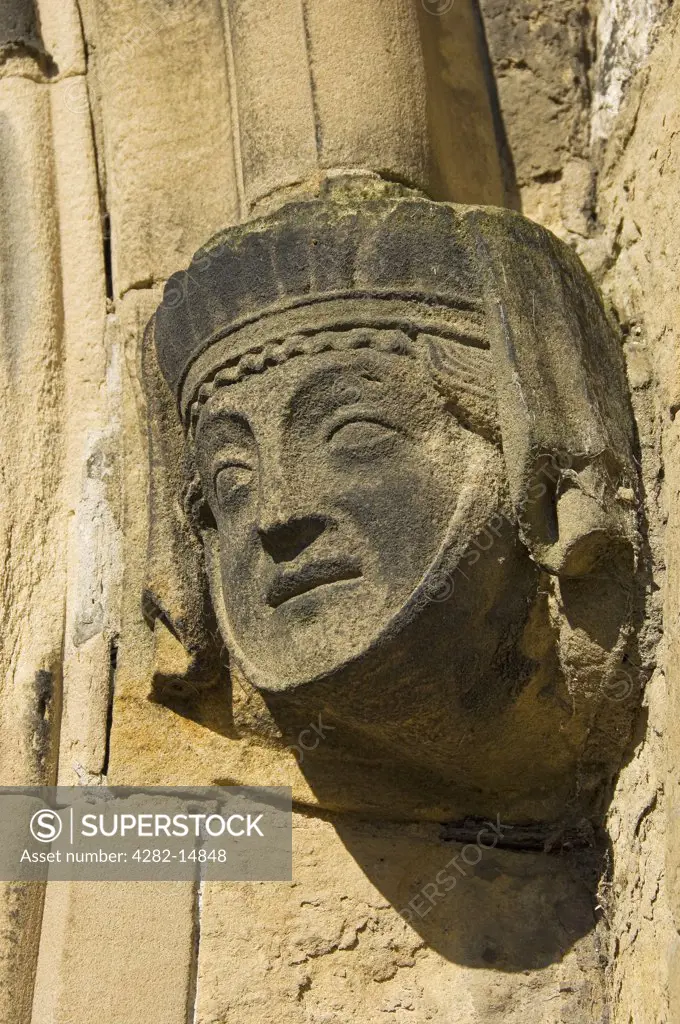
(232,481)
(363,437)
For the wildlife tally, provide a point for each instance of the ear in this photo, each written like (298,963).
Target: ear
(575,519)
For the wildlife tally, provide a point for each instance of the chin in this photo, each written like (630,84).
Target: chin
(310,637)
(286,672)
(330,635)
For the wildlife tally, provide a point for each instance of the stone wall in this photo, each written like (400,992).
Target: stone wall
(610,80)
(543,57)
(628,116)
(117,159)
(639,218)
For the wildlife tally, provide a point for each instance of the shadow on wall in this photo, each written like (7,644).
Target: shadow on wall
(489,894)
(480,906)
(513,197)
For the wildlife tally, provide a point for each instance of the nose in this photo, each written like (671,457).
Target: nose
(285,539)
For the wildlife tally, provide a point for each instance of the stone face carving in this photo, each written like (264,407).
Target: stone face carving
(409,458)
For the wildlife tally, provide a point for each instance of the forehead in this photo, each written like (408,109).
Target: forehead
(308,385)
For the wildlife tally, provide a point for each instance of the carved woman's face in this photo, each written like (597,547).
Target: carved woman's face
(332,480)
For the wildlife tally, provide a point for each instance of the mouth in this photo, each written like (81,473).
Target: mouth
(288,585)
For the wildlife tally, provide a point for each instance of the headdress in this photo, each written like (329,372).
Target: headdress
(506,315)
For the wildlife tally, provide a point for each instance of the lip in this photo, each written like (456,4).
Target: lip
(288,585)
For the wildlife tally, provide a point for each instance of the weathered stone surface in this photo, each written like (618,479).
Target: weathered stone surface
(638,208)
(51,338)
(41,40)
(383,89)
(53,313)
(542,55)
(563,70)
(158,74)
(258,101)
(92,438)
(626,32)
(390,923)
(167,114)
(326,557)
(115,951)
(32,525)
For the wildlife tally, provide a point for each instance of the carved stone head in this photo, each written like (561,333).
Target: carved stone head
(409,461)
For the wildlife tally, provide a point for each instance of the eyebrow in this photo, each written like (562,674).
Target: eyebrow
(315,389)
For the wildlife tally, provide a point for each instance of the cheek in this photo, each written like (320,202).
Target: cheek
(402,509)
(238,550)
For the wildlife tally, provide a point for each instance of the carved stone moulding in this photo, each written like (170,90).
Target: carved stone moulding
(409,502)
